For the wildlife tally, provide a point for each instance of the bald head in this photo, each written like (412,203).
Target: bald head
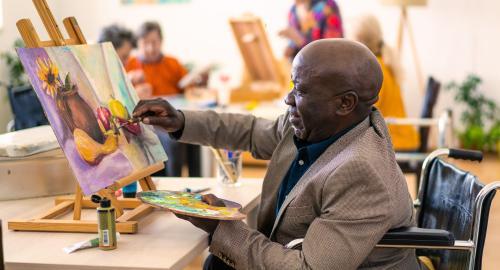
(342,65)
(336,82)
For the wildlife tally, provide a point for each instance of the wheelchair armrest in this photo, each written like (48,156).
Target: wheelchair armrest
(418,237)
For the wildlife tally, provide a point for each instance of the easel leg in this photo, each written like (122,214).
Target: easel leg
(147,183)
(77,210)
(399,39)
(415,56)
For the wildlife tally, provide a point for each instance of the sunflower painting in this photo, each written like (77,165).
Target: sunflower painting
(49,75)
(88,100)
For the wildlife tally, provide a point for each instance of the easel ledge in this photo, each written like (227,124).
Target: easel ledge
(125,222)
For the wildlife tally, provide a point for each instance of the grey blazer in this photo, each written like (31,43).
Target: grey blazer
(342,206)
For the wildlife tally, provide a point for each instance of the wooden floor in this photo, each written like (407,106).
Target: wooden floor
(488,171)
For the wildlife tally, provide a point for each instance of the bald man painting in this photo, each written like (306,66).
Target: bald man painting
(332,179)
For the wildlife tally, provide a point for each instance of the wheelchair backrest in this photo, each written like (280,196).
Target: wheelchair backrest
(448,203)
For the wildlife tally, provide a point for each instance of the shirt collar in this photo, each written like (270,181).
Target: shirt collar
(314,150)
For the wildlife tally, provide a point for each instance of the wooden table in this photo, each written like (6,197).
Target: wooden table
(163,241)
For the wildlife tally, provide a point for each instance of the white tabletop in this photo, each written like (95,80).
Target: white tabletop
(163,241)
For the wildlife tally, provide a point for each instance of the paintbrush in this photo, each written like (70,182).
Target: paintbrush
(136,119)
(129,122)
(228,171)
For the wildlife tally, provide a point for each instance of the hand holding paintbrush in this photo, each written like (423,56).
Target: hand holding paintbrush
(160,113)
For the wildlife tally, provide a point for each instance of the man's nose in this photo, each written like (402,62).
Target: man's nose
(289,99)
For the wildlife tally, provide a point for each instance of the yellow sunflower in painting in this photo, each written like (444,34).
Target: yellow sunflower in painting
(49,75)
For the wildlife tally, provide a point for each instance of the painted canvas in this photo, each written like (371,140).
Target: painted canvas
(88,100)
(191,205)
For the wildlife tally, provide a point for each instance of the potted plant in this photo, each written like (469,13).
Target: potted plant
(25,105)
(480,113)
(17,77)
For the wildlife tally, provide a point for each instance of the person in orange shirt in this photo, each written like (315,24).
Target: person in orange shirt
(163,73)
(367,30)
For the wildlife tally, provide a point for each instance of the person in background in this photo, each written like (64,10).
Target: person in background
(124,42)
(366,29)
(310,20)
(163,73)
(122,39)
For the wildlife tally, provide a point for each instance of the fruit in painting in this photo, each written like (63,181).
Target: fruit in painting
(130,126)
(117,109)
(123,118)
(104,117)
(90,150)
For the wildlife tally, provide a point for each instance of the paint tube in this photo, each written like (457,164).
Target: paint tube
(82,245)
(85,244)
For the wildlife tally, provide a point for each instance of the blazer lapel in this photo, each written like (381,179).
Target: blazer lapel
(327,158)
(274,176)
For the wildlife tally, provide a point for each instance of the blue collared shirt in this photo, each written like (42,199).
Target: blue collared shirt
(307,154)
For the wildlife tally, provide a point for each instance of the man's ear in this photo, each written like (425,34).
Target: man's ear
(349,101)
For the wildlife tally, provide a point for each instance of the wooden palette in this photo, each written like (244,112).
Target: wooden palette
(190,204)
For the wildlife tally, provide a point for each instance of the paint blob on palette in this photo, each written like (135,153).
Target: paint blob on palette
(190,204)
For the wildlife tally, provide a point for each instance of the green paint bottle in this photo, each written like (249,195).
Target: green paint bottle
(106,223)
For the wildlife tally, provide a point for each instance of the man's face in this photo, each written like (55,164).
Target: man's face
(124,51)
(150,46)
(312,106)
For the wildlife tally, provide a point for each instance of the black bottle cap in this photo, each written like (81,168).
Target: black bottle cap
(105,203)
(95,198)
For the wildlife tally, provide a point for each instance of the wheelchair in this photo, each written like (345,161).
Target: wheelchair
(452,215)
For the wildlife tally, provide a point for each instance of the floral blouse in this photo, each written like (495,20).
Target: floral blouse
(324,21)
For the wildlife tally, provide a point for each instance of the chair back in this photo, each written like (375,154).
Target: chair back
(448,201)
(430,99)
(26,107)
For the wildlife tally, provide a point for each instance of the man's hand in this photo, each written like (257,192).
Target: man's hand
(208,225)
(160,113)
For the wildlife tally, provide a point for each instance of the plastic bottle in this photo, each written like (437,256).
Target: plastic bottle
(106,222)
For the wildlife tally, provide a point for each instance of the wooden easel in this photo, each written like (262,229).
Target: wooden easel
(264,78)
(404,20)
(125,222)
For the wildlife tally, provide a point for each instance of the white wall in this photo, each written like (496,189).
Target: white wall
(453,37)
